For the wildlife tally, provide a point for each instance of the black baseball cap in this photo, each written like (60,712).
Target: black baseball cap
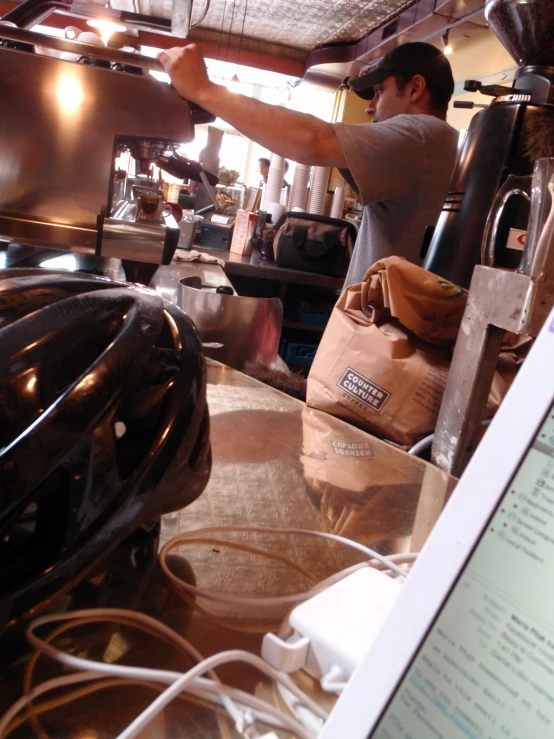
(409,59)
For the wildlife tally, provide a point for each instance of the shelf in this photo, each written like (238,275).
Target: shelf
(304,326)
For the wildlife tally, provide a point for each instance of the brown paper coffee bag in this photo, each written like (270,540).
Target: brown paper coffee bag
(384,358)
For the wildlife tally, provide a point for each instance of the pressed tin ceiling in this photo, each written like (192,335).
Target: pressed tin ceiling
(302,24)
(299,25)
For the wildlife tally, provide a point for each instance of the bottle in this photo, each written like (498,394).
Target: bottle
(265,241)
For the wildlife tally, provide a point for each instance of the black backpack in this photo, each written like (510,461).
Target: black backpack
(314,243)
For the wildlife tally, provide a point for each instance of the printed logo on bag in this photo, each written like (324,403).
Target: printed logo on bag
(364,390)
(352,449)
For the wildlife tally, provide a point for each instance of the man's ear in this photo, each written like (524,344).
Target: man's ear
(418,86)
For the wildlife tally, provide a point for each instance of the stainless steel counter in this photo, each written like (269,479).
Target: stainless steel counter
(314,470)
(275,463)
(256,267)
(165,280)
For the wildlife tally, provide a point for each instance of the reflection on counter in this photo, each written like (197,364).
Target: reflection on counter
(364,489)
(64,261)
(270,452)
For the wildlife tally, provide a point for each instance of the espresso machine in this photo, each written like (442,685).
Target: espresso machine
(503,139)
(65,123)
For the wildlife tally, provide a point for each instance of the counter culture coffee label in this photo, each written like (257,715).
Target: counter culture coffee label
(362,389)
(352,449)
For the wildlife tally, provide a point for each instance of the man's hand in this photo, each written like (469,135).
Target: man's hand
(187,69)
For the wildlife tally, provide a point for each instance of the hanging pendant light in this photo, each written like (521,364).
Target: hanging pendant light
(446,44)
(234,84)
(106,27)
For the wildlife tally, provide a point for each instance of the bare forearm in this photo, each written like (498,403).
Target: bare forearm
(297,136)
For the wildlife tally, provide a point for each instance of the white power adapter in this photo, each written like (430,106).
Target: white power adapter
(334,629)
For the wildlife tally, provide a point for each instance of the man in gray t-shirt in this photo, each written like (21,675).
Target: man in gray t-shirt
(400,164)
(403,190)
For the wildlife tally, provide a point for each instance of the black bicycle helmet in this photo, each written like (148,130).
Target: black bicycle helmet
(103,425)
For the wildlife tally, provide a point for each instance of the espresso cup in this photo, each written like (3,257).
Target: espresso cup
(151,206)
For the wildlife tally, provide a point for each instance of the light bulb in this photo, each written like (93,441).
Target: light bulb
(448,50)
(234,85)
(106,28)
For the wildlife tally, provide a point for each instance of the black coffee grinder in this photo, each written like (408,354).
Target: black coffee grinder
(503,139)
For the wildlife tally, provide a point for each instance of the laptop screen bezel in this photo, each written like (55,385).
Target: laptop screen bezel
(461,572)
(449,547)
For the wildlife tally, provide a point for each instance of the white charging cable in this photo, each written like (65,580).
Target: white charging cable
(192,590)
(335,680)
(242,707)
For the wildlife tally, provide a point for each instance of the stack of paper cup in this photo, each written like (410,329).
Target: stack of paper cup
(299,189)
(173,193)
(337,206)
(316,204)
(275,179)
(276,210)
(212,149)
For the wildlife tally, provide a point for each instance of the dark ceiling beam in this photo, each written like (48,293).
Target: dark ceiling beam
(423,20)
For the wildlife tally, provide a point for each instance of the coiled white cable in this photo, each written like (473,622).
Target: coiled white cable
(182,539)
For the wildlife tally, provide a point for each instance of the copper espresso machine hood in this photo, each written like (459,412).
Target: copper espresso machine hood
(63,124)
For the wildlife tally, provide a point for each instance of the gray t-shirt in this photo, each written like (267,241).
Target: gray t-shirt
(401,168)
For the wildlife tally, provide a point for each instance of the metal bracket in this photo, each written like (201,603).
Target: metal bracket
(498,301)
(31,12)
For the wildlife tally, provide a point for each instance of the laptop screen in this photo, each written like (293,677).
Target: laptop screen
(486,667)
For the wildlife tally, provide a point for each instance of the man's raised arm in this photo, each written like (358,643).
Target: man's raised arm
(297,136)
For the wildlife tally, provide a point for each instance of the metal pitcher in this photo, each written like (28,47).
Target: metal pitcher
(240,329)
